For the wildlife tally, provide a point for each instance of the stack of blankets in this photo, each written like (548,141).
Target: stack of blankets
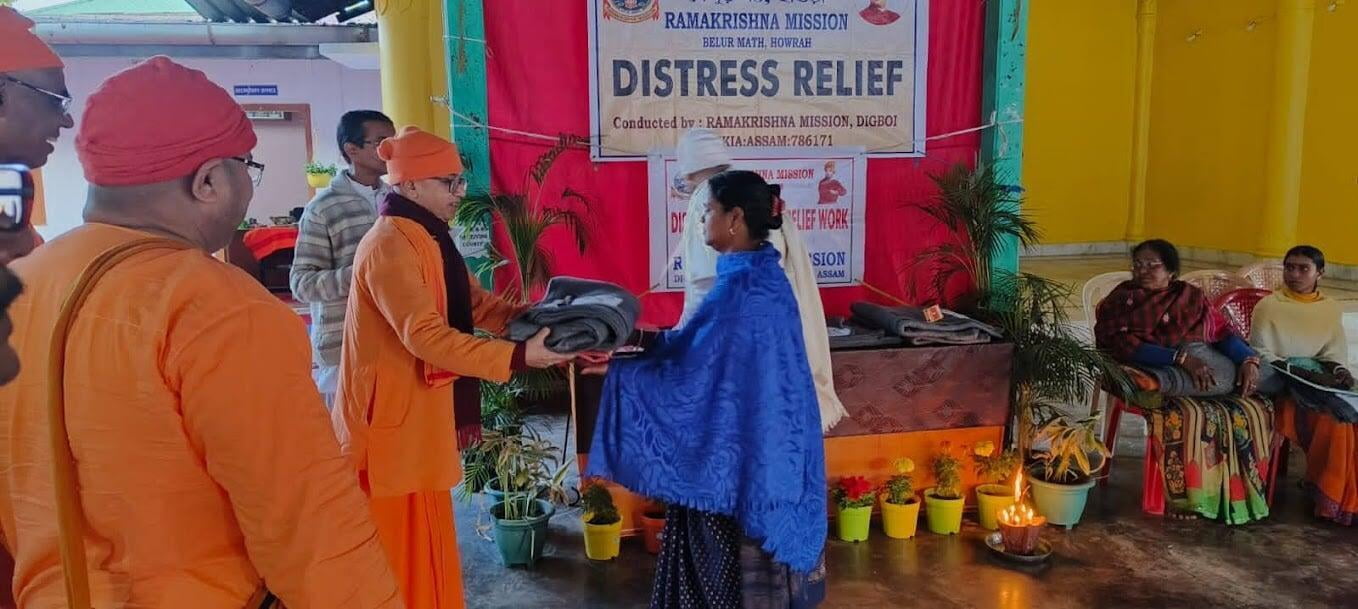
(910,324)
(582,315)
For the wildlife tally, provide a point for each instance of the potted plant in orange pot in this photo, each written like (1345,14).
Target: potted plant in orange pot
(944,502)
(653,526)
(853,499)
(900,506)
(993,469)
(603,524)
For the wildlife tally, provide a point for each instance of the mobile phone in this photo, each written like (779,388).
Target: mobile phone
(16,197)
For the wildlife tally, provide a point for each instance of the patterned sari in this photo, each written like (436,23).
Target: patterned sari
(1214,454)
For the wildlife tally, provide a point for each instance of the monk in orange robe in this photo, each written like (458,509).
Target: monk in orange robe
(205,464)
(34,108)
(410,367)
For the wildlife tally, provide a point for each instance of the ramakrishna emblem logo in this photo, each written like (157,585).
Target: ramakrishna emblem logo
(631,11)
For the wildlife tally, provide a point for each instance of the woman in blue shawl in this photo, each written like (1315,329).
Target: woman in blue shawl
(720,421)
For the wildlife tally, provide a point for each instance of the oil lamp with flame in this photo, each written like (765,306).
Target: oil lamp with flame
(1020,526)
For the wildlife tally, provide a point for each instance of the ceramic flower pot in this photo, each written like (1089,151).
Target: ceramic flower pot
(653,527)
(521,542)
(900,521)
(318,180)
(602,541)
(1061,504)
(990,499)
(1020,540)
(944,515)
(853,523)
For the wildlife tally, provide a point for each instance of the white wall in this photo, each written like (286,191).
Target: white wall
(330,88)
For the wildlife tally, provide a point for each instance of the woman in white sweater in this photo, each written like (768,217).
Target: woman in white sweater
(702,154)
(1302,330)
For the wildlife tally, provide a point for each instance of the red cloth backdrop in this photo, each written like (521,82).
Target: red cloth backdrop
(537,70)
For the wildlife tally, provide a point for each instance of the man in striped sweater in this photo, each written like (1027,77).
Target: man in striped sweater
(332,225)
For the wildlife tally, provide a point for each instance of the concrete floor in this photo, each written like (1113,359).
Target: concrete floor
(1118,557)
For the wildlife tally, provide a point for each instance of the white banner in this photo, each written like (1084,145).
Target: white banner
(825,194)
(828,74)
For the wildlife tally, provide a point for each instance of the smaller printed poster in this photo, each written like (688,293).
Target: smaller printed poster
(824,193)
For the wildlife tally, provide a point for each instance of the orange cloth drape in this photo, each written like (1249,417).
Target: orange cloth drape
(1331,458)
(421,542)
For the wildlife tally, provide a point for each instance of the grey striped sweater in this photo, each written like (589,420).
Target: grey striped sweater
(322,267)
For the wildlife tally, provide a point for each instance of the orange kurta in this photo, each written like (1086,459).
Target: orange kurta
(397,427)
(204,459)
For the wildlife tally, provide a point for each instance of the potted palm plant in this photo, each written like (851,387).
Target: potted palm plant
(527,468)
(603,524)
(1065,469)
(318,175)
(944,502)
(993,469)
(853,502)
(900,506)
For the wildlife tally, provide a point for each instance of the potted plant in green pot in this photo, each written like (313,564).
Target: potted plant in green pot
(603,524)
(526,467)
(853,502)
(993,469)
(1065,468)
(318,175)
(900,506)
(653,526)
(944,502)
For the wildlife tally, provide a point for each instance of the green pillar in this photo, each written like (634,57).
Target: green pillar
(466,48)
(1006,50)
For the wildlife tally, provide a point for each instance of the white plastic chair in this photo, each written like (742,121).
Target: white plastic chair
(1095,290)
(1265,275)
(1215,283)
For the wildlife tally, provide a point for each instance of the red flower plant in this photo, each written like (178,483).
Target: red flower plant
(854,491)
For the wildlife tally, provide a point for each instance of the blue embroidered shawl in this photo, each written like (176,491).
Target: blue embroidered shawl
(721,415)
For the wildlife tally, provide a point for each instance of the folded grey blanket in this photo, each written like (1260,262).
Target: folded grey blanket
(905,321)
(582,315)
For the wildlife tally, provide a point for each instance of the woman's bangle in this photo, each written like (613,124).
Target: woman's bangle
(1254,359)
(1180,357)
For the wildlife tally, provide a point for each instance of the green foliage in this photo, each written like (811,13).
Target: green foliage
(899,489)
(526,466)
(527,218)
(321,169)
(1066,459)
(997,467)
(598,504)
(948,473)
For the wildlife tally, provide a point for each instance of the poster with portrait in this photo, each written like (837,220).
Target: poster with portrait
(762,73)
(824,193)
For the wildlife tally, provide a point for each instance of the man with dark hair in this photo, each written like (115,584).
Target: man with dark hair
(332,225)
(34,108)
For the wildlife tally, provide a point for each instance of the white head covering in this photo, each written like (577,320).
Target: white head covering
(701,149)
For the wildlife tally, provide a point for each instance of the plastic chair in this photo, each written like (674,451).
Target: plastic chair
(1216,283)
(1097,288)
(1238,308)
(1265,275)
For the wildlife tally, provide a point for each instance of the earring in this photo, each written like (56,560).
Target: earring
(732,230)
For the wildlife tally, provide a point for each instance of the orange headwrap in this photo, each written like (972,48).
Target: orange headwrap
(157,121)
(20,48)
(415,154)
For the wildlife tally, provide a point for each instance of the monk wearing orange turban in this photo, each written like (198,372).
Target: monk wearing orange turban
(34,108)
(204,461)
(410,367)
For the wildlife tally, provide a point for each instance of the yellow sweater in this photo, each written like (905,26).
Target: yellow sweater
(1284,327)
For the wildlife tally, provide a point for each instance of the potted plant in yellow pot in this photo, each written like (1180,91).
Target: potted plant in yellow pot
(900,506)
(944,502)
(318,175)
(993,469)
(603,523)
(853,499)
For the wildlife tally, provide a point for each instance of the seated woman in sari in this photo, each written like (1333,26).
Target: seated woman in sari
(1214,452)
(720,420)
(1302,330)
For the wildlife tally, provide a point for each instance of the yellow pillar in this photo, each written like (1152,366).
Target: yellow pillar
(1141,117)
(1287,121)
(411,50)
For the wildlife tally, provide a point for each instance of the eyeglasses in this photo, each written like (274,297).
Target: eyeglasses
(256,169)
(376,142)
(454,183)
(1147,266)
(62,101)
